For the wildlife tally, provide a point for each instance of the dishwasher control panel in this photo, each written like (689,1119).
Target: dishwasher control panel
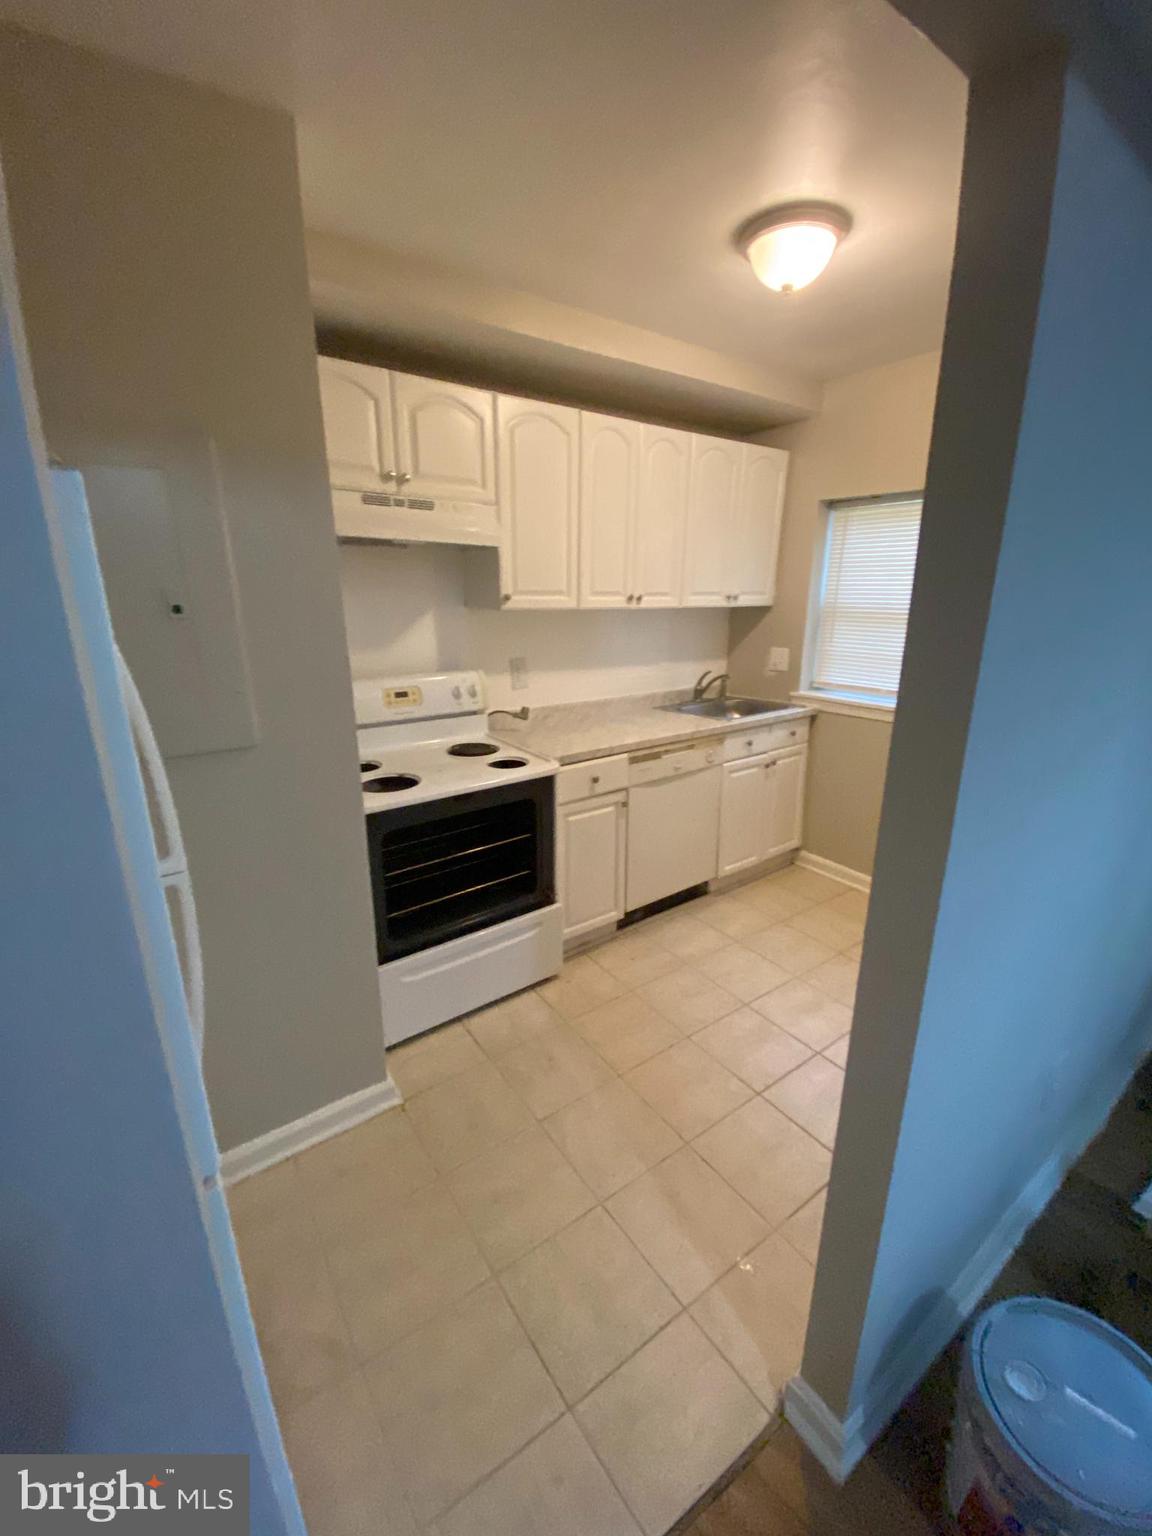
(669,763)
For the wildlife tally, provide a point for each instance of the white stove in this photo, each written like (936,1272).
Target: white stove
(461,844)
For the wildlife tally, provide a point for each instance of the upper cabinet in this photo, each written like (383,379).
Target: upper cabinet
(357,405)
(444,439)
(586,510)
(539,474)
(733,535)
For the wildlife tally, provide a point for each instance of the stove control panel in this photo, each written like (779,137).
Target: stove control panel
(384,700)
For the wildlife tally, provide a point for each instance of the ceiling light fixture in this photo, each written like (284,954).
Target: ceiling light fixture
(790,245)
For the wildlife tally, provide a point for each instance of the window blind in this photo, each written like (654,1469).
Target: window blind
(865,590)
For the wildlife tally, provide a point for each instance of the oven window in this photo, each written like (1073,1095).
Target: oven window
(445,869)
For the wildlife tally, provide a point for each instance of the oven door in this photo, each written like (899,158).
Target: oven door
(448,867)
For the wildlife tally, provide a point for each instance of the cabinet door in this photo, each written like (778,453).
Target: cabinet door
(538,450)
(609,476)
(708,555)
(357,406)
(756,539)
(444,439)
(786,773)
(661,509)
(744,815)
(591,863)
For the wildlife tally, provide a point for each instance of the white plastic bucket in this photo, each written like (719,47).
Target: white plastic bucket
(1053,1432)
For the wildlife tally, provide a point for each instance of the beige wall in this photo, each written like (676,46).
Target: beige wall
(871,437)
(161,260)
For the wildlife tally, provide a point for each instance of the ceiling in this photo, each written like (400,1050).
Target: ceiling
(601,154)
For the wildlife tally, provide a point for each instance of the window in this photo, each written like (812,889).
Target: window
(863,590)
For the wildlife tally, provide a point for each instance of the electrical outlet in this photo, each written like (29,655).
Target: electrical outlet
(518,672)
(778,658)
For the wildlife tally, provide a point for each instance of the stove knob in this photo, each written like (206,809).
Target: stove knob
(456,694)
(472,694)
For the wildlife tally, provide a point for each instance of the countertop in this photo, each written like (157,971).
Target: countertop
(573,733)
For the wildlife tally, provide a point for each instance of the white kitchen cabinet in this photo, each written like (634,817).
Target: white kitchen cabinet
(744,815)
(590,861)
(785,819)
(711,528)
(610,449)
(756,526)
(661,509)
(357,404)
(761,809)
(538,473)
(444,436)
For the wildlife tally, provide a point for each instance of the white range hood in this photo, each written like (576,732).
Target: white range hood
(381,518)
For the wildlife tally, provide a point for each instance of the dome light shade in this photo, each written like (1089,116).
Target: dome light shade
(788,247)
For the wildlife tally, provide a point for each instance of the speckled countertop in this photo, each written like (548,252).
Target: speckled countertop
(572,733)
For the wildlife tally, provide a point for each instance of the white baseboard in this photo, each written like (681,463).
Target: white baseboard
(834,871)
(330,1120)
(839,1444)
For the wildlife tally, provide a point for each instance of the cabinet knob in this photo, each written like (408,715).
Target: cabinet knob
(640,598)
(505,597)
(390,474)
(595,778)
(403,479)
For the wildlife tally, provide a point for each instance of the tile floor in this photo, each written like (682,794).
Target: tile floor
(561,1288)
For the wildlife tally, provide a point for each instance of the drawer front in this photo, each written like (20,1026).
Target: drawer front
(766,738)
(601,776)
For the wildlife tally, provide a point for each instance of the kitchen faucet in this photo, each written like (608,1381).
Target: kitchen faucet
(706,681)
(514,714)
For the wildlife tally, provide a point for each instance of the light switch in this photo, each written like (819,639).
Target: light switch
(518,671)
(778,658)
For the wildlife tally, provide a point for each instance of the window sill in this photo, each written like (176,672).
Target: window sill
(836,704)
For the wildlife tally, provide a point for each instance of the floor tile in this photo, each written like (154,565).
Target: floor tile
(838,978)
(627,1031)
(553,1487)
(689,999)
(303,1336)
(752,1047)
(461,1118)
(688,1088)
(766,1157)
(511,1022)
(855,952)
(774,900)
(688,1223)
(743,973)
(341,1467)
(422,1259)
(789,948)
(669,1422)
(748,1507)
(271,1216)
(634,959)
(838,1052)
(757,1316)
(850,904)
(519,1193)
(581,985)
(353,1181)
(611,1137)
(831,928)
(458,1398)
(588,1300)
(808,884)
(432,1058)
(553,1068)
(806,1012)
(804,1227)
(811,1097)
(685,935)
(732,916)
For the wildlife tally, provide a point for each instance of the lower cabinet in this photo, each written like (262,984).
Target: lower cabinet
(590,862)
(761,809)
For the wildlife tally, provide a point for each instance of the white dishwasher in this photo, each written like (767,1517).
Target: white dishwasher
(673,821)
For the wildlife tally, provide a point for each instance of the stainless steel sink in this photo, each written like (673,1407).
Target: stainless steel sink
(729,709)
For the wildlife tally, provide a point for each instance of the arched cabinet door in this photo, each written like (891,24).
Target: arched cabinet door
(609,465)
(357,409)
(709,580)
(661,508)
(444,439)
(759,509)
(539,472)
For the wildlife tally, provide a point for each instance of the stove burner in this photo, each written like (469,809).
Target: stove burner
(508,762)
(369,767)
(390,783)
(472,749)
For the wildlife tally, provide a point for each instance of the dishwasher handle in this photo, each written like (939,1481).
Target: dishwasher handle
(669,763)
